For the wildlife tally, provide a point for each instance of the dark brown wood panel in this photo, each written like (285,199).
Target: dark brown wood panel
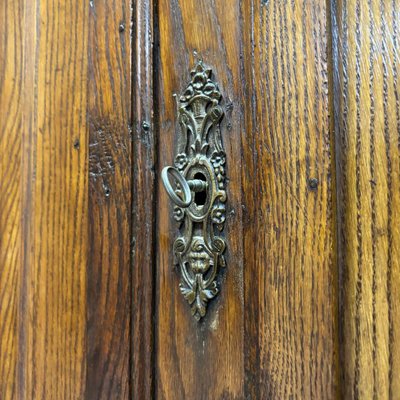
(66,192)
(275,334)
(289,210)
(199,360)
(367,116)
(90,306)
(11,75)
(109,287)
(52,318)
(70,337)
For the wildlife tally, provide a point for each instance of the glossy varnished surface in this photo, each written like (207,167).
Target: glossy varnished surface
(367,114)
(11,75)
(109,273)
(144,137)
(289,219)
(90,306)
(199,360)
(272,331)
(52,314)
(65,105)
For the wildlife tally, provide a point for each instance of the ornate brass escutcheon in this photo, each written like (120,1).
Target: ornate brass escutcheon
(198,193)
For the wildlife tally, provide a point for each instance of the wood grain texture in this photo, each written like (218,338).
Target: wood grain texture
(273,334)
(109,288)
(52,343)
(289,210)
(65,160)
(90,306)
(143,207)
(199,360)
(11,68)
(367,118)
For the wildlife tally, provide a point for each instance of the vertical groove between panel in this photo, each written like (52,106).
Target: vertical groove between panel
(144,194)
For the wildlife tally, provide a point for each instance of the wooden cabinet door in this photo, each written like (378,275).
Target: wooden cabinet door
(271,332)
(279,278)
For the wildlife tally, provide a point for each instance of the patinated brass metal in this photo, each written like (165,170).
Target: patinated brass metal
(199,194)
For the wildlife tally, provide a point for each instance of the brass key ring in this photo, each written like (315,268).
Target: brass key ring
(187,195)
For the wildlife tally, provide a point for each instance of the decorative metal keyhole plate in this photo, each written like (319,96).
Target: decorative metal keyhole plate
(200,161)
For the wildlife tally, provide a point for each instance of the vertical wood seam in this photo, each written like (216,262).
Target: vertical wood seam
(336,63)
(332,60)
(144,195)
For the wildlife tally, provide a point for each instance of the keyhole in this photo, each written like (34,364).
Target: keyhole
(200,197)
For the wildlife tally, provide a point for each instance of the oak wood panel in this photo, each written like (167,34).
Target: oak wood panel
(109,288)
(144,195)
(52,342)
(65,331)
(199,360)
(289,210)
(367,118)
(11,68)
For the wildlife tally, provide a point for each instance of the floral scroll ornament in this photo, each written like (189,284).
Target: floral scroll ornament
(200,160)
